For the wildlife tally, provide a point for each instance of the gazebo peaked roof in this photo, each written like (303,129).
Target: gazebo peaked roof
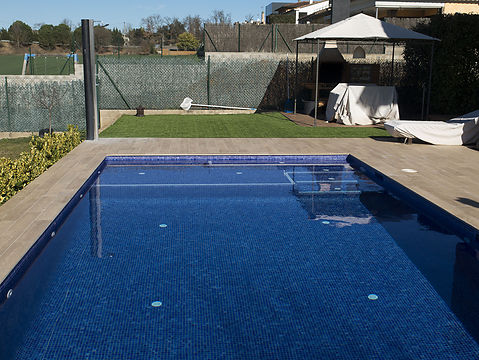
(364,27)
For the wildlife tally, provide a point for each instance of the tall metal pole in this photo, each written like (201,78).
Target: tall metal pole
(317,85)
(8,106)
(296,79)
(430,82)
(208,80)
(392,67)
(91,106)
(239,37)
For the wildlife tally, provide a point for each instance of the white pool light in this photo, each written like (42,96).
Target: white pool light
(239,173)
(9,293)
(325,222)
(163,225)
(373,297)
(156,303)
(141,173)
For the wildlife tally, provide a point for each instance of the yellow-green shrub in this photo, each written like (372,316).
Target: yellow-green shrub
(44,152)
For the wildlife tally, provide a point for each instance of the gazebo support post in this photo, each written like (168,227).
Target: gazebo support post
(392,66)
(296,77)
(317,81)
(430,81)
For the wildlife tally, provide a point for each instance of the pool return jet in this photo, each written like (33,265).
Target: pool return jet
(188,103)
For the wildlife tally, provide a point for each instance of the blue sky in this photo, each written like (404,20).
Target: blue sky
(117,12)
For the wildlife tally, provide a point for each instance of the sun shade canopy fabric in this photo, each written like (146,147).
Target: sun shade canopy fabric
(361,27)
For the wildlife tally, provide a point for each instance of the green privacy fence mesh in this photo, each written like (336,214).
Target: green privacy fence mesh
(27,103)
(28,106)
(163,82)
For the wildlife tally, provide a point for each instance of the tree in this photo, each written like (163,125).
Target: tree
(48,97)
(455,78)
(117,38)
(153,23)
(172,29)
(102,37)
(187,41)
(45,36)
(62,35)
(220,17)
(68,23)
(77,39)
(136,36)
(4,34)
(20,33)
(193,25)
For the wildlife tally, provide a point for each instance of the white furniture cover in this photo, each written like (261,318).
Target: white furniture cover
(362,104)
(457,131)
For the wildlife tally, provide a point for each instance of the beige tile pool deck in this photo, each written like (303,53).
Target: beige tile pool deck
(447,176)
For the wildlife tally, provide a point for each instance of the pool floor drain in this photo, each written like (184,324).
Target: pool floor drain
(373,297)
(156,303)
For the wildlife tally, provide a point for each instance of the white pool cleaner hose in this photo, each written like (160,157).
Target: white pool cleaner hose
(188,103)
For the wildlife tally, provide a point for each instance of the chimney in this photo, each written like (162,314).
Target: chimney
(340,10)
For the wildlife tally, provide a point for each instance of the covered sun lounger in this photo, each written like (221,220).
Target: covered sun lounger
(457,131)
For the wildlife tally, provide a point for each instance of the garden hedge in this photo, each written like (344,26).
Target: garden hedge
(455,81)
(44,152)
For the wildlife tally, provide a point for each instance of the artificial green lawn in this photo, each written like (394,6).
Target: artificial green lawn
(11,148)
(43,65)
(261,125)
(11,64)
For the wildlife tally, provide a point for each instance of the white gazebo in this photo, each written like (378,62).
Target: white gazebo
(365,28)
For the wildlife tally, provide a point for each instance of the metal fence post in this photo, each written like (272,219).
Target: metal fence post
(208,80)
(8,106)
(429,82)
(97,85)
(272,38)
(239,37)
(275,38)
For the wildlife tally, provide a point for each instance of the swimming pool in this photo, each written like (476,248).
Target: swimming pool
(272,257)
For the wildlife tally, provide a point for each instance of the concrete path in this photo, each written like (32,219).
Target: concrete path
(447,176)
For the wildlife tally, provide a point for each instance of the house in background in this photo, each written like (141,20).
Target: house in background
(293,12)
(322,12)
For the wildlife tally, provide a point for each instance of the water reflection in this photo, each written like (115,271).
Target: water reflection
(465,287)
(449,263)
(96,241)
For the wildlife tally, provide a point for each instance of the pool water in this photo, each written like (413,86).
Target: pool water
(246,261)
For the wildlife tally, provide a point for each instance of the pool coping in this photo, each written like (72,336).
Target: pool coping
(25,231)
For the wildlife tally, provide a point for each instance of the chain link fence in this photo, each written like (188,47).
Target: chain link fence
(160,83)
(163,83)
(30,106)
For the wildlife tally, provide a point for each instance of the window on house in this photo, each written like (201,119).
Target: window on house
(359,53)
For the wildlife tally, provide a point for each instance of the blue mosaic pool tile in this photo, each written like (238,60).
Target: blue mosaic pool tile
(225,159)
(239,273)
